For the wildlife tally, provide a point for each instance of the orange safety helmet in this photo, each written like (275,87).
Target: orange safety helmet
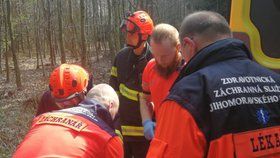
(138,21)
(67,80)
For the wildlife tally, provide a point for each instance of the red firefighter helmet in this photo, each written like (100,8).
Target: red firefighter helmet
(68,84)
(139,21)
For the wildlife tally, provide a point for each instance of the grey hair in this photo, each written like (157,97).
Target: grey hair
(104,94)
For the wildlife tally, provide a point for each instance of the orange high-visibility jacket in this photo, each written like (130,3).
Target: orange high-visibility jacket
(156,85)
(74,132)
(224,105)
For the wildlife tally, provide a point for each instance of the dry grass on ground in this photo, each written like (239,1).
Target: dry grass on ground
(17,108)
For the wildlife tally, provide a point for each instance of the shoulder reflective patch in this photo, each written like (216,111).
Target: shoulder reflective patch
(114,71)
(129,93)
(258,143)
(119,134)
(61,119)
(132,131)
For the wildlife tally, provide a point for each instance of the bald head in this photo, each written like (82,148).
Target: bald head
(107,96)
(207,24)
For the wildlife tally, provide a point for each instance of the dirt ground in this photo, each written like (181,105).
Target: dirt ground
(17,108)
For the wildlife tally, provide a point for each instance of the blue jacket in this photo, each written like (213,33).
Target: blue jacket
(94,112)
(226,92)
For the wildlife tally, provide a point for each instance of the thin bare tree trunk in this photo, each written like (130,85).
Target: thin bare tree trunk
(83,39)
(6,45)
(37,38)
(39,52)
(0,47)
(1,23)
(109,27)
(86,34)
(28,42)
(17,71)
(102,29)
(62,52)
(41,59)
(55,44)
(35,12)
(43,13)
(49,33)
(95,27)
(16,39)
(73,32)
(37,55)
(43,42)
(21,43)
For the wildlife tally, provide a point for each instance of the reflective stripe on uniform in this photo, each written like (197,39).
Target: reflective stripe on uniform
(132,131)
(129,93)
(114,71)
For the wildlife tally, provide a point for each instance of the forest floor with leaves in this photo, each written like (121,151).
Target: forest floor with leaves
(18,107)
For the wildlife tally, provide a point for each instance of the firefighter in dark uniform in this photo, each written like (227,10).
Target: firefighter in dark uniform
(126,74)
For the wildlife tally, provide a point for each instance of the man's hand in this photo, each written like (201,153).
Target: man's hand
(149,128)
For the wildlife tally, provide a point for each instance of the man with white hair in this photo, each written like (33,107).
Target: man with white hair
(82,131)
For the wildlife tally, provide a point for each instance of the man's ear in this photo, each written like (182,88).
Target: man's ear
(190,43)
(111,104)
(111,109)
(178,47)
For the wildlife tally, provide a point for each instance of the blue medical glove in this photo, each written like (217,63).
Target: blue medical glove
(149,128)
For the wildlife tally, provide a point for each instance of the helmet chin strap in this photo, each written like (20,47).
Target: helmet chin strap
(140,41)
